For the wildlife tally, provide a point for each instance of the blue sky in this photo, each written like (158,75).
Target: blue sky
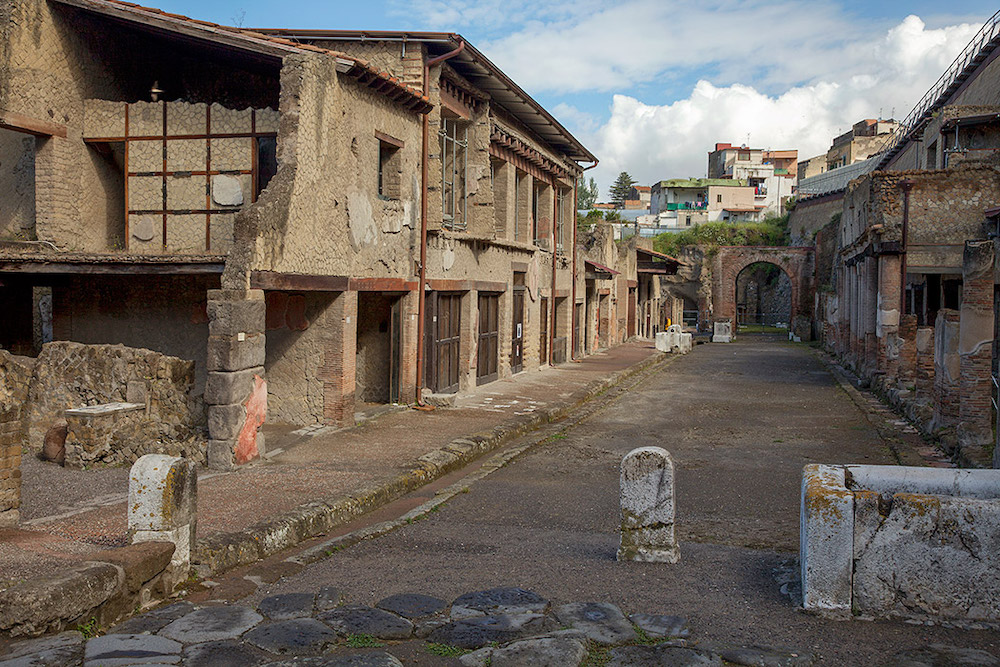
(650,85)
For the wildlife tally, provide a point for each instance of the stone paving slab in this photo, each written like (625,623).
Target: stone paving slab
(351,635)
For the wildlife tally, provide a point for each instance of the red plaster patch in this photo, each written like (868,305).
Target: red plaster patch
(277,303)
(256,405)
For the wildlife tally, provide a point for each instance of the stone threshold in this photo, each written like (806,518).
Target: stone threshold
(220,552)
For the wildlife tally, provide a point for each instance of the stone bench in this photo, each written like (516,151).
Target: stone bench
(894,541)
(105,433)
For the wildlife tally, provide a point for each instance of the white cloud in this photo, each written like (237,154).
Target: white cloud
(653,142)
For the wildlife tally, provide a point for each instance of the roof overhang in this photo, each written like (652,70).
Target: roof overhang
(477,69)
(599,271)
(650,261)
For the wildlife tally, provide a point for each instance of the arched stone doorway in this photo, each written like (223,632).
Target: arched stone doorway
(763,298)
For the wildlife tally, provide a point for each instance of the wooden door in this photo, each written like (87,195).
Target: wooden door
(517,332)
(488,349)
(395,347)
(577,332)
(543,343)
(444,326)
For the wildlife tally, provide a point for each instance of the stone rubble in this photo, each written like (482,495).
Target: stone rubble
(500,627)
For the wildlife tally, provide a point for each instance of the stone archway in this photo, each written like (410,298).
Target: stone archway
(797,262)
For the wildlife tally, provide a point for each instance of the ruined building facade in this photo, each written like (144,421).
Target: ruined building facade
(292,212)
(907,274)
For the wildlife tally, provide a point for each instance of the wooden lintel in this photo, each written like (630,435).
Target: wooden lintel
(490,286)
(444,285)
(112,268)
(36,126)
(633,283)
(382,285)
(604,291)
(388,139)
(561,293)
(296,282)
(520,267)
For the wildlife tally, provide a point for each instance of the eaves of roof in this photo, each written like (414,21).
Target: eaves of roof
(475,67)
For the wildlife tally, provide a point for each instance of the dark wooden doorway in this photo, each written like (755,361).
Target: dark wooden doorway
(487,351)
(543,326)
(577,330)
(517,331)
(444,327)
(631,312)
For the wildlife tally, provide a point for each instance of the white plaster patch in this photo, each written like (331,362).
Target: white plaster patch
(143,228)
(227,190)
(360,221)
(976,330)
(448,257)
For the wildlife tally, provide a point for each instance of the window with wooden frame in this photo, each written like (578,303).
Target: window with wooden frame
(562,210)
(454,135)
(389,166)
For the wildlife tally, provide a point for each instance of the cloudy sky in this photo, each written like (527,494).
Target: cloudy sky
(651,85)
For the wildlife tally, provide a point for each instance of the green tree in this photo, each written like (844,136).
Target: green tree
(586,193)
(620,189)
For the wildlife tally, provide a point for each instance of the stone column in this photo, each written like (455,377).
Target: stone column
(907,363)
(924,377)
(235,391)
(16,376)
(647,499)
(887,324)
(946,369)
(870,279)
(163,507)
(975,349)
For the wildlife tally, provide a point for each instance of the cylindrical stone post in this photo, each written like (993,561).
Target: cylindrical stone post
(163,506)
(647,499)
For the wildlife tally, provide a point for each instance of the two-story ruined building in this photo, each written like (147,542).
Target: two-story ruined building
(294,210)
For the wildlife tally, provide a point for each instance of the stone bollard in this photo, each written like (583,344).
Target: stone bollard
(722,332)
(163,506)
(647,497)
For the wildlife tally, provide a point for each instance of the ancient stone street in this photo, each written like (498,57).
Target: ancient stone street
(739,420)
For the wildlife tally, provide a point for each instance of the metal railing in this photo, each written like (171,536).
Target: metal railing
(944,85)
(994,399)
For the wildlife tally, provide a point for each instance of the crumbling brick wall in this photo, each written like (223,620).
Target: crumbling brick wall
(15,372)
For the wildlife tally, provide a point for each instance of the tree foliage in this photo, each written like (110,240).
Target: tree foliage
(586,193)
(711,235)
(620,189)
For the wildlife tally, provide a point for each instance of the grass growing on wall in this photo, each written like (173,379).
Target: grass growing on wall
(711,235)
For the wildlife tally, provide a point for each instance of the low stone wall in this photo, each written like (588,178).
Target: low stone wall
(97,593)
(894,541)
(70,375)
(14,375)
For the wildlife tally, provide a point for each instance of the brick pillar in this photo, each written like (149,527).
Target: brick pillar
(235,391)
(975,349)
(887,324)
(339,359)
(946,369)
(408,349)
(10,463)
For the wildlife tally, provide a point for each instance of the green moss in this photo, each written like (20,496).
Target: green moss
(711,235)
(445,650)
(363,641)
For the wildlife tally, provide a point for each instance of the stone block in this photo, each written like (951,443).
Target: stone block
(227,388)
(141,562)
(101,433)
(723,332)
(221,454)
(230,318)
(162,493)
(826,540)
(647,507)
(231,353)
(226,421)
(227,190)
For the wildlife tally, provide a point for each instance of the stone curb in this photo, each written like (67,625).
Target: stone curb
(224,551)
(101,590)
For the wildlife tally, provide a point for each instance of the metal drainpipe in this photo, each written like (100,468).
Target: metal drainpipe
(421,292)
(906,185)
(576,207)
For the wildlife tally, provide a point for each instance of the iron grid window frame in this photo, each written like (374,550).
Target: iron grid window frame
(453,216)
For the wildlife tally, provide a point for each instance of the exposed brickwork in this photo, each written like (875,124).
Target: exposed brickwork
(907,368)
(16,373)
(946,369)
(339,358)
(975,349)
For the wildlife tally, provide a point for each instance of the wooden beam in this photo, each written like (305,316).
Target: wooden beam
(40,128)
(382,284)
(111,268)
(389,139)
(297,282)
